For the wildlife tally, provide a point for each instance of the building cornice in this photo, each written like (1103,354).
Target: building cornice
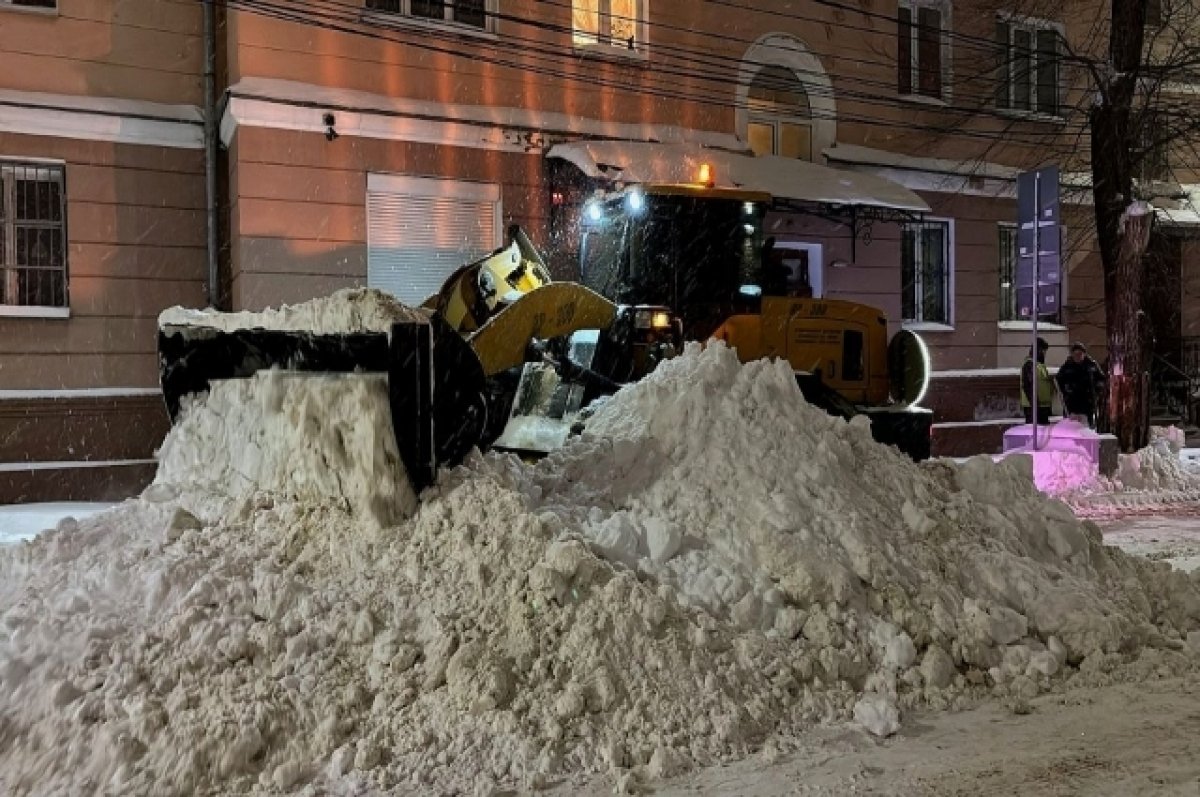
(120,121)
(287,105)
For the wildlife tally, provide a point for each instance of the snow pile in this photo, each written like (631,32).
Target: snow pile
(761,509)
(714,565)
(324,439)
(1148,481)
(1157,466)
(347,310)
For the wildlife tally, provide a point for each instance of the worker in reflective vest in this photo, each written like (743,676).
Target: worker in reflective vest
(1045,385)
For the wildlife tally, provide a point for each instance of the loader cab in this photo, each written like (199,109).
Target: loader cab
(699,252)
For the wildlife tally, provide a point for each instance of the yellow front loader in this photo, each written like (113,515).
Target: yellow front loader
(501,355)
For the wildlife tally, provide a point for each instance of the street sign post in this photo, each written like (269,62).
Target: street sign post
(1039,260)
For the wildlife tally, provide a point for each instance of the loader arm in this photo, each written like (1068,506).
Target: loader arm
(554,310)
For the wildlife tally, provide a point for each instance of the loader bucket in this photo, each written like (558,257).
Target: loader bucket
(436,386)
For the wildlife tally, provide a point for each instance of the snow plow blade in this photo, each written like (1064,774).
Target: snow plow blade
(436,386)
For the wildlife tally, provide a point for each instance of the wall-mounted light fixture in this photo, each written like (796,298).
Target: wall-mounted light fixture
(840,264)
(328,121)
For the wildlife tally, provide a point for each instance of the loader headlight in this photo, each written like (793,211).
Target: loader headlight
(593,211)
(652,318)
(636,201)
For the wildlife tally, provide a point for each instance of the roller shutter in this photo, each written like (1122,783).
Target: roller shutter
(420,229)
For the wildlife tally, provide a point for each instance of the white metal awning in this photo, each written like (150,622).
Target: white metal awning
(648,164)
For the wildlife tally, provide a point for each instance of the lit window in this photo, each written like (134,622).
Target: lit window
(921,42)
(612,23)
(1028,63)
(473,13)
(780,118)
(925,272)
(33,239)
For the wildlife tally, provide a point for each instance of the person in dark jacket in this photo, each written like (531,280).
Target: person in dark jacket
(1044,385)
(1080,380)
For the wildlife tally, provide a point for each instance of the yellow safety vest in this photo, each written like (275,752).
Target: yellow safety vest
(1045,386)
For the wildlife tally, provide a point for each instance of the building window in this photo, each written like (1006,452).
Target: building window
(30,3)
(611,23)
(926,267)
(780,118)
(921,41)
(33,237)
(1027,68)
(1007,249)
(420,229)
(1154,13)
(1152,161)
(474,13)
(1012,295)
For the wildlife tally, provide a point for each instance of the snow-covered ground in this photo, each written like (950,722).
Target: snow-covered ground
(24,521)
(715,577)
(1173,539)
(1111,741)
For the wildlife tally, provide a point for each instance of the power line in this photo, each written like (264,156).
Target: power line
(353,25)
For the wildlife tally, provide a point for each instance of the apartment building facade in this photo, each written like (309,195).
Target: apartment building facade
(101,226)
(383,142)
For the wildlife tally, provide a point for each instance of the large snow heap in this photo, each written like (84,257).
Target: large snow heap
(713,566)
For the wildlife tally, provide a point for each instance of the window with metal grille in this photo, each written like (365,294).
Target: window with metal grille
(474,13)
(920,44)
(1007,249)
(33,237)
(618,24)
(420,229)
(1028,61)
(925,268)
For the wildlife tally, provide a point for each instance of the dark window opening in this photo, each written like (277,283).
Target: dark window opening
(852,355)
(1028,61)
(472,13)
(920,38)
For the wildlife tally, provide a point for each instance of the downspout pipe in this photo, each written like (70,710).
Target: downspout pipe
(210,149)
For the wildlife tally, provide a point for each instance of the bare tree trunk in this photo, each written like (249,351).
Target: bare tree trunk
(1123,228)
(1128,350)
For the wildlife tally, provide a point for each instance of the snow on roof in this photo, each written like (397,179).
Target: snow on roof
(354,106)
(1187,214)
(968,167)
(783,178)
(869,156)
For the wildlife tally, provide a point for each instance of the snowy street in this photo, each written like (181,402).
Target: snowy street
(1117,741)
(716,581)
(1172,538)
